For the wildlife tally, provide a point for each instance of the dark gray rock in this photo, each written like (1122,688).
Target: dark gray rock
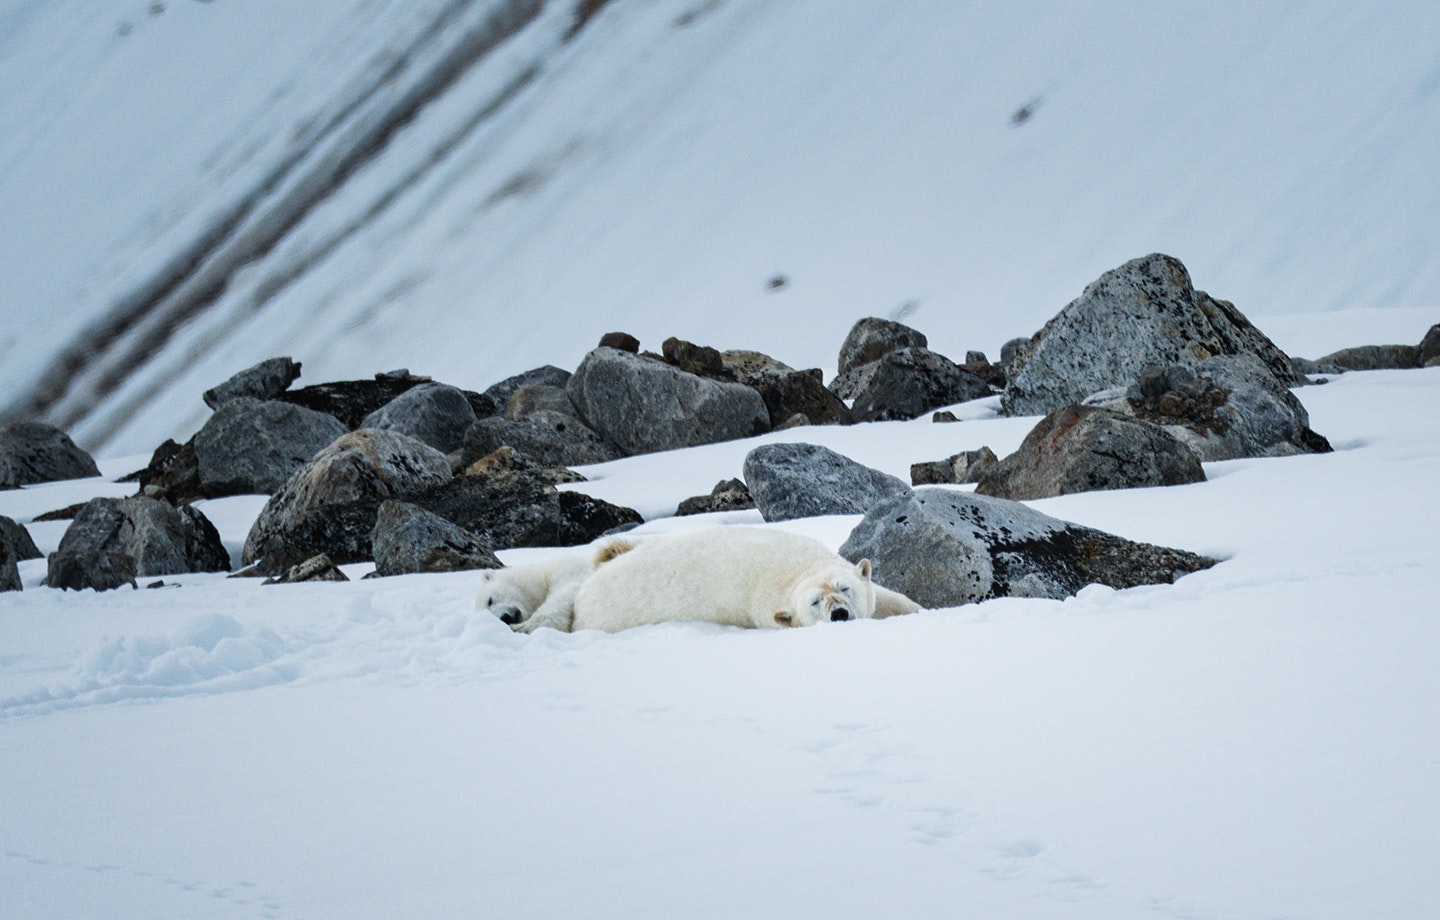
(1085,448)
(792,481)
(329,505)
(1429,348)
(748,367)
(728,495)
(9,569)
(549,438)
(871,339)
(252,447)
(102,571)
(1146,312)
(18,538)
(1371,358)
(173,474)
(432,413)
(316,568)
(410,539)
(944,548)
(621,341)
(700,360)
(792,393)
(351,400)
(34,452)
(642,405)
(539,397)
(266,380)
(965,467)
(549,375)
(159,538)
(1012,349)
(909,382)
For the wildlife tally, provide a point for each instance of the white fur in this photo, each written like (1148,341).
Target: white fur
(741,576)
(534,595)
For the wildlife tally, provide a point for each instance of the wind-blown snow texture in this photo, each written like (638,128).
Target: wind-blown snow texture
(455,187)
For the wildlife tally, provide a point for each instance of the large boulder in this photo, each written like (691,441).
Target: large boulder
(803,393)
(34,452)
(1371,358)
(1146,312)
(1428,351)
(549,375)
(266,380)
(15,545)
(1085,448)
(642,405)
(909,382)
(329,504)
(157,537)
(19,540)
(550,438)
(351,400)
(1225,407)
(872,338)
(791,481)
(249,446)
(432,413)
(943,548)
(410,539)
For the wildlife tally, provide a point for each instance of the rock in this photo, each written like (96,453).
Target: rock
(943,548)
(792,481)
(34,452)
(620,341)
(992,374)
(871,339)
(748,366)
(550,438)
(18,539)
(539,397)
(173,474)
(700,360)
(266,380)
(507,461)
(103,571)
(641,405)
(728,495)
(584,518)
(1085,448)
(316,568)
(944,417)
(1429,348)
(431,413)
(500,393)
(964,467)
(329,504)
(252,447)
(1143,313)
(410,539)
(1226,407)
(1371,358)
(351,400)
(9,568)
(909,382)
(1012,349)
(159,538)
(794,393)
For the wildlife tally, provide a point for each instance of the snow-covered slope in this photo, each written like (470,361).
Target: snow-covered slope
(474,187)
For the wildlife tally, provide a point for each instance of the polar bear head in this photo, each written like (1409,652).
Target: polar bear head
(840,593)
(506,596)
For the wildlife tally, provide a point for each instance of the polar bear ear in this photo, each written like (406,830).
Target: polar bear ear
(783,619)
(863,567)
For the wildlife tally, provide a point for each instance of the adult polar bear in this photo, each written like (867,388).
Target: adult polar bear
(739,576)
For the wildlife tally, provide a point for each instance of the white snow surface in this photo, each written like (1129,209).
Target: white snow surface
(1258,740)
(653,173)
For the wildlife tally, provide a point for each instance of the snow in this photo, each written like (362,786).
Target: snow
(1256,740)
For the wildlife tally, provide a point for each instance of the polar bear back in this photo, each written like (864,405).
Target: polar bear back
(738,576)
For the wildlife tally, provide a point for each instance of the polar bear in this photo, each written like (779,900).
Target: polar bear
(740,576)
(533,595)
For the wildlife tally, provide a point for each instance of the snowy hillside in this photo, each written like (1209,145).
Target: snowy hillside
(474,187)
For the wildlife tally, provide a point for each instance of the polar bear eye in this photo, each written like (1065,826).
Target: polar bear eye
(489,602)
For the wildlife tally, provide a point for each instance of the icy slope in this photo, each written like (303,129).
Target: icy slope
(468,189)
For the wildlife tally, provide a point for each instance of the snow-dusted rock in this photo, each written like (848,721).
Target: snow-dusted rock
(265,380)
(408,538)
(908,382)
(249,446)
(792,481)
(943,548)
(1146,312)
(432,413)
(158,537)
(1084,448)
(34,452)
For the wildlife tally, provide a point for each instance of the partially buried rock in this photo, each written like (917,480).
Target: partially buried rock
(1085,448)
(909,382)
(253,447)
(431,413)
(792,481)
(1371,358)
(266,380)
(965,467)
(316,568)
(98,571)
(410,539)
(1428,351)
(944,548)
(34,452)
(728,495)
(157,537)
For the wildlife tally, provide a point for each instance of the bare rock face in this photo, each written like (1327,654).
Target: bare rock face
(329,505)
(908,382)
(252,447)
(34,452)
(157,537)
(432,413)
(1085,448)
(791,481)
(643,405)
(1146,312)
(944,548)
(266,380)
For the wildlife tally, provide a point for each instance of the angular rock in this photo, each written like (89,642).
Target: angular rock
(351,400)
(103,571)
(266,380)
(18,538)
(909,382)
(800,393)
(410,539)
(1146,312)
(1429,348)
(329,504)
(549,438)
(159,538)
(584,518)
(252,447)
(792,481)
(965,467)
(621,341)
(432,413)
(700,360)
(9,569)
(642,405)
(872,338)
(316,568)
(173,474)
(1085,448)
(1371,358)
(549,375)
(539,397)
(944,548)
(34,452)
(748,366)
(728,495)
(1012,349)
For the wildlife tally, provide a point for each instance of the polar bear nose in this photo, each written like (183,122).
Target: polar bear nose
(509,615)
(839,615)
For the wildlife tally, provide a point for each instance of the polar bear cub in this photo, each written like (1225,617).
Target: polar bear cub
(533,595)
(739,576)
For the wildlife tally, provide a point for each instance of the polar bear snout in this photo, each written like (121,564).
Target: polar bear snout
(509,614)
(839,615)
